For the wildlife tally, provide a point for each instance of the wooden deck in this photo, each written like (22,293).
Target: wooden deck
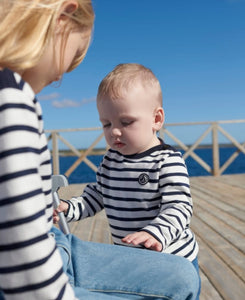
(219,225)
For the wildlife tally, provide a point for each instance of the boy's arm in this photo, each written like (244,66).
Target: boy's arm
(87,205)
(176,203)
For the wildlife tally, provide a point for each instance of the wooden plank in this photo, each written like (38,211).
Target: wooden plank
(232,197)
(208,291)
(213,198)
(234,258)
(221,214)
(220,261)
(234,180)
(224,191)
(227,284)
(232,236)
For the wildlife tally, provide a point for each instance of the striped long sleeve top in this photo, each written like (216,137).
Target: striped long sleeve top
(148,191)
(30,264)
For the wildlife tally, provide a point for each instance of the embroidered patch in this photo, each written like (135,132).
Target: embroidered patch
(143,179)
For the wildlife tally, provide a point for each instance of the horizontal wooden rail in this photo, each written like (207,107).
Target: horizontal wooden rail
(213,129)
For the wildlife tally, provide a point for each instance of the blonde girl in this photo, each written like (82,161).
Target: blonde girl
(40,40)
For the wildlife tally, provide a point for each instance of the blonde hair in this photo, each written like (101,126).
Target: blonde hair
(27,26)
(123,77)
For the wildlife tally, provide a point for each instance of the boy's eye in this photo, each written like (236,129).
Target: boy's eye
(106,125)
(127,123)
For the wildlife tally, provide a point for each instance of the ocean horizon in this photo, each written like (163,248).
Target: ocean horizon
(83,174)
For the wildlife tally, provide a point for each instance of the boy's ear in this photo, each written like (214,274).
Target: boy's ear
(158,118)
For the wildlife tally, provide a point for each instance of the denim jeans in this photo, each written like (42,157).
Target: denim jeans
(107,272)
(102,271)
(196,265)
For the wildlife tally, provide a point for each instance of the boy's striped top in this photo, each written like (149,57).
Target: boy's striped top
(148,191)
(30,264)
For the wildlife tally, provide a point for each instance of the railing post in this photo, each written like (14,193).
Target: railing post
(55,153)
(216,171)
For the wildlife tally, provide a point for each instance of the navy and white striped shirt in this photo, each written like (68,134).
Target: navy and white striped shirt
(148,191)
(30,264)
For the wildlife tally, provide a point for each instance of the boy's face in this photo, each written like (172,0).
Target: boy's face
(130,124)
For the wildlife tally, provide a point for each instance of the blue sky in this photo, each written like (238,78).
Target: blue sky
(196,48)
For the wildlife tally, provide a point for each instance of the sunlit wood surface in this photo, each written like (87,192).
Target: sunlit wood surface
(219,225)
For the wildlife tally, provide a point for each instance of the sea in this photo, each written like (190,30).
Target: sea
(83,174)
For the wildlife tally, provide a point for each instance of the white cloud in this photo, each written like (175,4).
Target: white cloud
(48,97)
(71,103)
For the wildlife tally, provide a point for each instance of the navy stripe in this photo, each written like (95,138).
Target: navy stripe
(19,151)
(175,154)
(16,105)
(176,202)
(132,229)
(135,199)
(136,219)
(21,84)
(45,148)
(28,266)
(17,174)
(19,245)
(21,221)
(46,162)
(178,174)
(18,128)
(80,211)
(175,184)
(180,211)
(126,189)
(183,247)
(36,286)
(127,179)
(7,79)
(46,177)
(61,293)
(119,169)
(91,195)
(177,218)
(174,164)
(176,193)
(118,208)
(11,200)
(191,251)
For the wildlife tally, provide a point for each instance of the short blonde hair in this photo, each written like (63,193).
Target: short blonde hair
(27,26)
(124,76)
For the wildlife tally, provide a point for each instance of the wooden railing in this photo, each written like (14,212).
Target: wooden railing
(212,129)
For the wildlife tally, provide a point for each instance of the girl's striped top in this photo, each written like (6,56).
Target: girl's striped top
(148,191)
(30,264)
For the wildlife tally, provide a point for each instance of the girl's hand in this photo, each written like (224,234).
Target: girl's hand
(143,238)
(63,207)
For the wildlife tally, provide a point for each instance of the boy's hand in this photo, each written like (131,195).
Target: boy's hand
(143,238)
(63,207)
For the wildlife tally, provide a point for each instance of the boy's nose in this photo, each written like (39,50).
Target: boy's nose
(115,132)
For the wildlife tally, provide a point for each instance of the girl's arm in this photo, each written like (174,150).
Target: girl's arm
(30,264)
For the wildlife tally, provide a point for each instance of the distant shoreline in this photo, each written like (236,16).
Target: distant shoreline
(101,151)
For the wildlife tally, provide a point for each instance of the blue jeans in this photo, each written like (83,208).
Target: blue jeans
(196,265)
(102,271)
